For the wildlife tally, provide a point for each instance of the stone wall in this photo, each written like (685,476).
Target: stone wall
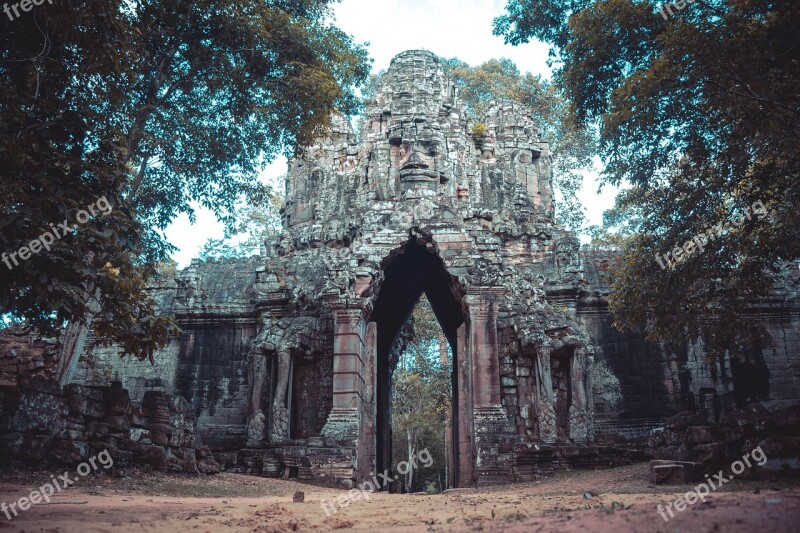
(207,363)
(644,382)
(24,355)
(773,426)
(41,424)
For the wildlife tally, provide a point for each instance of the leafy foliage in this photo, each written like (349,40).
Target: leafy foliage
(155,106)
(422,396)
(251,228)
(573,146)
(700,114)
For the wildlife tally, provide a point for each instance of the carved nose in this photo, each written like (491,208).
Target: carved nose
(415,161)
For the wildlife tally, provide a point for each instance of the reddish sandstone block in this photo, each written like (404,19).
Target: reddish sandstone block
(669,474)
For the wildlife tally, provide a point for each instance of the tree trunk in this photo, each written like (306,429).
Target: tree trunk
(74,341)
(410,472)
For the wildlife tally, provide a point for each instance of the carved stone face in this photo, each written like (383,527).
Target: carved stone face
(415,153)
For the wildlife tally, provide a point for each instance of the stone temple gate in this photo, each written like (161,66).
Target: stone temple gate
(286,358)
(417,204)
(284,363)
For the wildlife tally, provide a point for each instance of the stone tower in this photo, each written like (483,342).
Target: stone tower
(418,203)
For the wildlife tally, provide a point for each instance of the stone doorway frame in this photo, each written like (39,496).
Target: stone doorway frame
(480,423)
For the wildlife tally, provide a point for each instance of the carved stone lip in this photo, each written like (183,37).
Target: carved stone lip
(419,173)
(417,164)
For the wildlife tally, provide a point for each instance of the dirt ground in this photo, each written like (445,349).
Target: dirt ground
(614,500)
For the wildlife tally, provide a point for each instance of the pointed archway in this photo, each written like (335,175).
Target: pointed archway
(408,273)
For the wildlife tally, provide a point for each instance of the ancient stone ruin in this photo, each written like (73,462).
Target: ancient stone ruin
(418,204)
(286,358)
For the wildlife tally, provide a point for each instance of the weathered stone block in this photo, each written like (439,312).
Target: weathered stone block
(136,434)
(190,462)
(154,456)
(712,453)
(81,405)
(118,400)
(781,446)
(699,434)
(118,423)
(668,474)
(161,427)
(665,472)
(69,452)
(731,434)
(206,463)
(683,420)
(159,437)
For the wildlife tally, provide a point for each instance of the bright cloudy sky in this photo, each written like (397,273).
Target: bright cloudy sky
(452,28)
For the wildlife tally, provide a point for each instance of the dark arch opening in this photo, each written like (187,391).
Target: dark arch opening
(407,275)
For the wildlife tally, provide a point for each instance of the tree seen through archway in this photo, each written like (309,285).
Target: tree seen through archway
(422,400)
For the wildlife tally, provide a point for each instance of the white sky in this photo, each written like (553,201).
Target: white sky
(452,28)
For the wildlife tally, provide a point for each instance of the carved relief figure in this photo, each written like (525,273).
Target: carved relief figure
(578,419)
(257,373)
(279,338)
(545,408)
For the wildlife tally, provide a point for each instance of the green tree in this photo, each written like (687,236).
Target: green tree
(156,107)
(699,114)
(573,146)
(422,397)
(245,237)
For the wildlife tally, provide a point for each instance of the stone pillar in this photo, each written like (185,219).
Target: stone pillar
(590,396)
(544,406)
(494,433)
(483,348)
(348,343)
(366,448)
(464,461)
(342,426)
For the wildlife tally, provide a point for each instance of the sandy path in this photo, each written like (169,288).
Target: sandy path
(621,500)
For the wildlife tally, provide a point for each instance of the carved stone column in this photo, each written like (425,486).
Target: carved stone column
(342,427)
(465,461)
(256,380)
(590,396)
(483,347)
(544,407)
(366,447)
(493,431)
(256,421)
(280,412)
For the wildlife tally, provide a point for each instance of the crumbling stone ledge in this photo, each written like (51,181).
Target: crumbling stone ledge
(772,425)
(42,424)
